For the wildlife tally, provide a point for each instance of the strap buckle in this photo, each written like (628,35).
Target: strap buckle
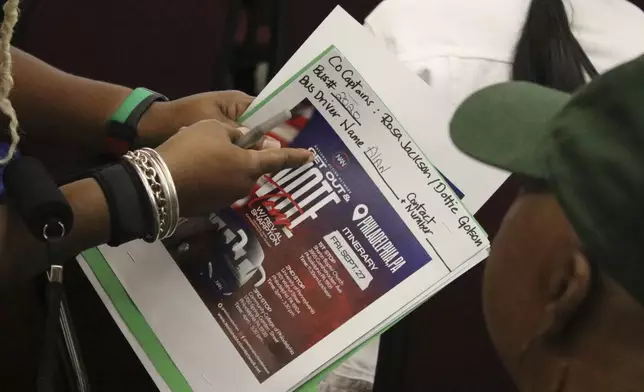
(55,274)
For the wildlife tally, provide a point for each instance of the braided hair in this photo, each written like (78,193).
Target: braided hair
(11,11)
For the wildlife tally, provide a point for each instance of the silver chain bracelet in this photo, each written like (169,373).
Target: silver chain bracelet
(159,186)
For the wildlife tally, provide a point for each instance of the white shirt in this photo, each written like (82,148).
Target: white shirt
(418,30)
(461,46)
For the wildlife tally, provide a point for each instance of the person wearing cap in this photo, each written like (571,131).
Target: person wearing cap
(458,47)
(564,284)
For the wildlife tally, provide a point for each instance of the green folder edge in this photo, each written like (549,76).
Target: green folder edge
(148,340)
(140,328)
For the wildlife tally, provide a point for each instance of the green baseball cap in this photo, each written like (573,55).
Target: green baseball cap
(588,147)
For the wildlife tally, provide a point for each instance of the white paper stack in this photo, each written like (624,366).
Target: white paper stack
(317,260)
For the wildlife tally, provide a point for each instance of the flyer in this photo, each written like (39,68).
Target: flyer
(309,249)
(315,261)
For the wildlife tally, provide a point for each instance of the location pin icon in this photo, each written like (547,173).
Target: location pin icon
(360,212)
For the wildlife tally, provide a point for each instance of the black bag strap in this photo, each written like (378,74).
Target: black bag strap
(49,218)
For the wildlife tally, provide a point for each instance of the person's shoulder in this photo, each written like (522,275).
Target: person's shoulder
(381,19)
(389,14)
(610,31)
(626,18)
(462,28)
(619,16)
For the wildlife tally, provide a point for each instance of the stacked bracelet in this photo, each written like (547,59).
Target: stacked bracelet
(161,192)
(141,197)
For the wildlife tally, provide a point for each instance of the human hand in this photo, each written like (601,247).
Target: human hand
(164,119)
(211,173)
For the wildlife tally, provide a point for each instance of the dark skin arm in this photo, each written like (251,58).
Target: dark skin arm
(22,256)
(58,107)
(55,106)
(209,172)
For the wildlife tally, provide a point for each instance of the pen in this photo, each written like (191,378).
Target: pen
(255,135)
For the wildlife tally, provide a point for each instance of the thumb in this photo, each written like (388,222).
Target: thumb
(277,159)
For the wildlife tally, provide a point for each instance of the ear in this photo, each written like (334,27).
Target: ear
(570,288)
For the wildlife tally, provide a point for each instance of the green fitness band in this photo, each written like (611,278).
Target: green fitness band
(122,133)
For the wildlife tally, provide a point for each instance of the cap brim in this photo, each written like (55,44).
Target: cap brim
(506,125)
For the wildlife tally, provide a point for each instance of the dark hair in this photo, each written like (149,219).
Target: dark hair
(547,52)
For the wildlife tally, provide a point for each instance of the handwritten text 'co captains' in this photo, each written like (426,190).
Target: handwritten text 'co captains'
(348,75)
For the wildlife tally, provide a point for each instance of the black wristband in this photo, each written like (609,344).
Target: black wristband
(130,214)
(122,130)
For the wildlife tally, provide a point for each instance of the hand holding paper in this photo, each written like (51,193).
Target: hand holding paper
(216,165)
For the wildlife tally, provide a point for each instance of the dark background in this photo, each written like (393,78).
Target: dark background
(188,46)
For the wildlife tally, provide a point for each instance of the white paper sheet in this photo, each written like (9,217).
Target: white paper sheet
(426,116)
(185,326)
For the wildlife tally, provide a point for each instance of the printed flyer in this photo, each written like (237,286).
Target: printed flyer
(311,247)
(308,250)
(265,295)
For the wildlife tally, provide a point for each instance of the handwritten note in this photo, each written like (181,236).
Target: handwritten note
(413,185)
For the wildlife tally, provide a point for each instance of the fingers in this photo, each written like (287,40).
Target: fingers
(274,160)
(242,102)
(268,143)
(265,143)
(234,132)
(230,122)
(236,104)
